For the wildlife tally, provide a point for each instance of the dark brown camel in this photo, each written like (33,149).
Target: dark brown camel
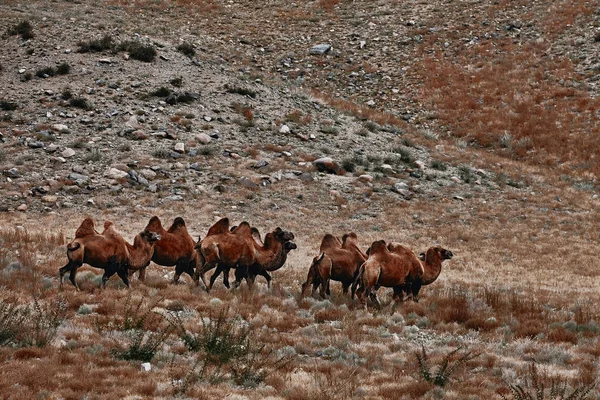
(175,248)
(108,251)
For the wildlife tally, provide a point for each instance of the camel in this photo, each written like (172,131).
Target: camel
(338,261)
(225,248)
(107,251)
(432,267)
(395,266)
(175,248)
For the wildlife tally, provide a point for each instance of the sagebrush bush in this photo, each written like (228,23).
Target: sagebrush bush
(23,28)
(441,374)
(187,49)
(96,45)
(138,50)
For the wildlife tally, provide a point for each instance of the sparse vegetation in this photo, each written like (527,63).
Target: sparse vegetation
(240,90)
(138,50)
(7,105)
(441,374)
(80,102)
(187,49)
(96,45)
(23,28)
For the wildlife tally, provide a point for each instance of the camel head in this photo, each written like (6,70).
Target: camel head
(283,236)
(288,246)
(149,236)
(377,247)
(438,252)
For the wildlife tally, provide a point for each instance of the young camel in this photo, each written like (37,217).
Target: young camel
(397,267)
(432,267)
(338,261)
(175,248)
(237,248)
(107,251)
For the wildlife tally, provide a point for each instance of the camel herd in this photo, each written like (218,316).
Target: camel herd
(241,247)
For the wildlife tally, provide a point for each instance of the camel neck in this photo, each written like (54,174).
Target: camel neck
(432,271)
(139,256)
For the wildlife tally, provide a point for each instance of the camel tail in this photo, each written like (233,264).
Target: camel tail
(73,246)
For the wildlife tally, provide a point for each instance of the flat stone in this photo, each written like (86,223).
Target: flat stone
(114,173)
(60,128)
(147,173)
(68,152)
(49,199)
(22,207)
(319,49)
(179,147)
(284,129)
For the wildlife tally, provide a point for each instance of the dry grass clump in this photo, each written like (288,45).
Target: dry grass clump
(23,28)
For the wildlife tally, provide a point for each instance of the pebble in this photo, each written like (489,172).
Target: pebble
(22,207)
(114,173)
(49,199)
(203,138)
(147,173)
(179,147)
(284,129)
(60,128)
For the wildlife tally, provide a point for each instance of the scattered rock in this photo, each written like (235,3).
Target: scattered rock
(284,129)
(114,173)
(203,138)
(68,152)
(319,49)
(179,147)
(147,173)
(60,128)
(49,199)
(326,164)
(22,207)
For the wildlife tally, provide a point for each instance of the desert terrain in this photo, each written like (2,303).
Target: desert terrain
(471,125)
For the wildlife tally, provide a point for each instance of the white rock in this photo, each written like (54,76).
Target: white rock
(284,129)
(114,173)
(146,367)
(420,164)
(179,147)
(132,122)
(365,178)
(68,152)
(147,173)
(60,128)
(203,138)
(371,103)
(22,207)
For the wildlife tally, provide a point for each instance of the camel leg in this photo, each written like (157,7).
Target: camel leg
(328,291)
(200,271)
(122,272)
(240,274)
(142,274)
(264,273)
(415,288)
(72,268)
(309,280)
(323,289)
(107,274)
(345,287)
(216,274)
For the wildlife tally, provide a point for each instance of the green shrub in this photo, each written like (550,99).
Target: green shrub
(45,72)
(241,91)
(161,92)
(12,318)
(42,322)
(7,105)
(63,69)
(80,102)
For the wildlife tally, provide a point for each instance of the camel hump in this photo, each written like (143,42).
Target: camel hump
(243,229)
(329,241)
(177,224)
(154,224)
(349,237)
(256,236)
(109,229)
(220,227)
(86,228)
(378,247)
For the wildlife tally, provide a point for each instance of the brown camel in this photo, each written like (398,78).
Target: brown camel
(109,252)
(175,248)
(237,248)
(397,267)
(338,261)
(432,267)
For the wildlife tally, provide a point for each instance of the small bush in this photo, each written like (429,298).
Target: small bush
(161,92)
(466,174)
(241,90)
(96,45)
(138,50)
(63,69)
(404,154)
(66,94)
(94,156)
(143,344)
(12,318)
(42,322)
(161,153)
(80,102)
(177,82)
(187,49)
(7,105)
(535,389)
(23,28)
(348,165)
(439,165)
(45,72)
(440,376)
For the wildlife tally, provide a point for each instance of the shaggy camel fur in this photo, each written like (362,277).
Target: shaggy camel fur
(175,248)
(107,251)
(397,267)
(338,261)
(237,248)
